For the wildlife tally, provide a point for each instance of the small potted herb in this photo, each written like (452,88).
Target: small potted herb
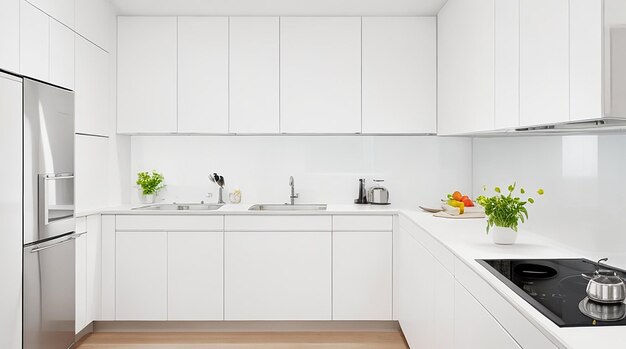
(150,185)
(504,213)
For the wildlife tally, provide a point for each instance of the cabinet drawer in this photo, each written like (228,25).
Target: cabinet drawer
(169,223)
(525,333)
(278,223)
(362,223)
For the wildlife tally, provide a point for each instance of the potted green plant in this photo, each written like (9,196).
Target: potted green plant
(505,212)
(150,185)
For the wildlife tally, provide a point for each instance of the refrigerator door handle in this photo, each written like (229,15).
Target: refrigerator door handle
(72,237)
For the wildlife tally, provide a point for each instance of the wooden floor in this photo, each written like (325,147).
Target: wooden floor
(278,340)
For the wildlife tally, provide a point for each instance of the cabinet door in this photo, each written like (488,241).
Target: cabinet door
(146,74)
(94,269)
(544,61)
(61,55)
(81,275)
(96,20)
(320,75)
(195,276)
(34,42)
(11,212)
(506,63)
(399,75)
(61,10)
(474,327)
(585,54)
(254,75)
(277,276)
(141,276)
(10,35)
(425,310)
(203,74)
(92,90)
(362,276)
(91,184)
(466,66)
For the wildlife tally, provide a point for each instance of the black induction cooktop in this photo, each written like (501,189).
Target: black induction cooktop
(556,288)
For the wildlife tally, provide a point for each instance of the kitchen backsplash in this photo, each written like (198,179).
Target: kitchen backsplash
(417,170)
(583,177)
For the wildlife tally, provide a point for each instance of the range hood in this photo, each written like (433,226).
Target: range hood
(613,109)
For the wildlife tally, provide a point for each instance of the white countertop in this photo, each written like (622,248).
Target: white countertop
(467,240)
(232,209)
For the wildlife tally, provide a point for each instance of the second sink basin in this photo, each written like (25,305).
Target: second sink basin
(287,207)
(180,207)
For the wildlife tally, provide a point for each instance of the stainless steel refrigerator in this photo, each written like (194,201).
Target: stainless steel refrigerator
(49,225)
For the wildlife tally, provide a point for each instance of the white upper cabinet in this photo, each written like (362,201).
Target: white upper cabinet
(34,42)
(61,10)
(254,75)
(585,51)
(92,89)
(320,75)
(399,75)
(61,55)
(10,35)
(202,75)
(466,66)
(544,61)
(147,75)
(95,20)
(506,63)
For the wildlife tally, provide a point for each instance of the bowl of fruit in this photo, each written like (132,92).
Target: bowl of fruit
(457,204)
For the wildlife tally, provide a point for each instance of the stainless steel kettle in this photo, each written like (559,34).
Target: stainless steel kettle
(606,286)
(378,195)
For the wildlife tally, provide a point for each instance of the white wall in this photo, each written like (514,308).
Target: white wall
(583,177)
(417,170)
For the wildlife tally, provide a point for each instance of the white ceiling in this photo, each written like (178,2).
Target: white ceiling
(279,7)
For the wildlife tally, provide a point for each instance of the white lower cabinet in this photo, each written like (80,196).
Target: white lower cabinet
(277,275)
(425,296)
(94,269)
(141,276)
(362,275)
(195,274)
(474,327)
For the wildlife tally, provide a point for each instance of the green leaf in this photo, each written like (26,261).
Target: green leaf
(540,191)
(531,200)
(497,189)
(522,191)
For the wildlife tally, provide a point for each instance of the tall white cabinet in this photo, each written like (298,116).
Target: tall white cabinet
(147,75)
(320,74)
(92,99)
(399,75)
(202,75)
(11,213)
(254,74)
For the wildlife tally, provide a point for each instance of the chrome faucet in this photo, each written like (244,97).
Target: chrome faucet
(293,195)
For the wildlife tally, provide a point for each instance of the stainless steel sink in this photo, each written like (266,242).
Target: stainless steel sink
(288,207)
(179,207)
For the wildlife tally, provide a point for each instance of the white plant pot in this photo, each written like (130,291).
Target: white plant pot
(148,199)
(503,236)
